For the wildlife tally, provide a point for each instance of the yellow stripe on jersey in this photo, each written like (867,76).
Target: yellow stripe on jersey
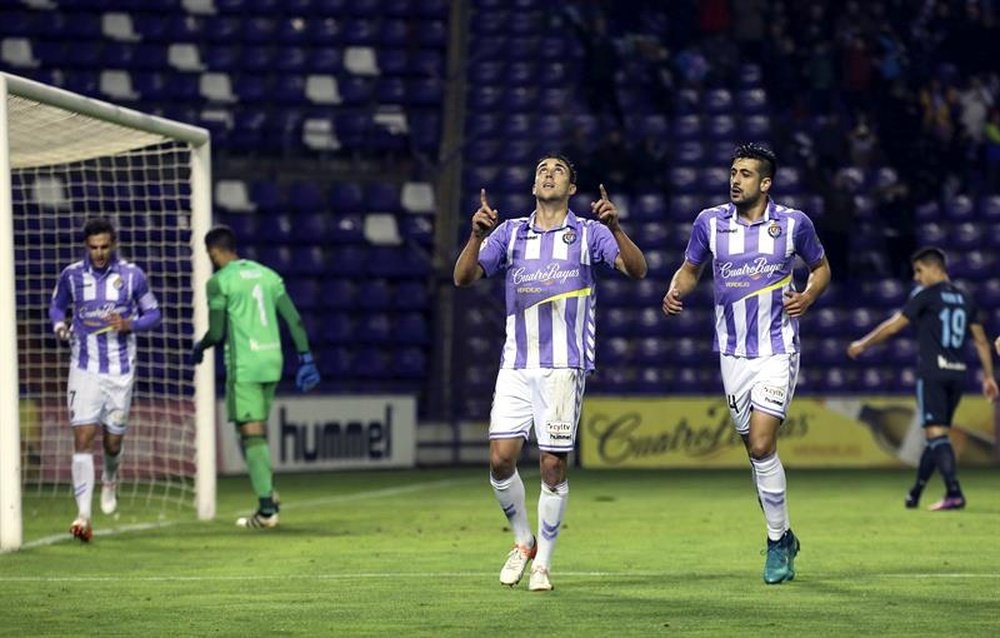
(582,292)
(785,281)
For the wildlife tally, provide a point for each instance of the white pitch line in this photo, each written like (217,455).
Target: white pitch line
(388,575)
(327,500)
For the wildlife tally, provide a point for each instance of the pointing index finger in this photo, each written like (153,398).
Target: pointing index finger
(604,194)
(482,198)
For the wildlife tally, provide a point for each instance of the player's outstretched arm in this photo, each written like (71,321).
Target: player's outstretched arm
(996,345)
(484,220)
(630,259)
(880,334)
(683,282)
(307,376)
(990,390)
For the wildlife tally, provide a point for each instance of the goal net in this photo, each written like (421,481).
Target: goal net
(70,159)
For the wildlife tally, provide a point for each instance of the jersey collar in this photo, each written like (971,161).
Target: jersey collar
(766,217)
(570,221)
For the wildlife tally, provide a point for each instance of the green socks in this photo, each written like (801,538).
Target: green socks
(258,457)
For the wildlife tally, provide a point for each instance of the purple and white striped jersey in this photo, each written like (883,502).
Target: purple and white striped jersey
(550,289)
(121,288)
(752,264)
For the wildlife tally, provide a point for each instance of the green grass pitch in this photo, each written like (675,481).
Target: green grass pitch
(417,553)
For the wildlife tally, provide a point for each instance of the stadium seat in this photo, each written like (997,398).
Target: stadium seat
(409,363)
(346,228)
(374,328)
(687,127)
(336,363)
(411,328)
(717,101)
(648,207)
(382,197)
(305,292)
(683,179)
(338,293)
(959,208)
(966,236)
(722,127)
(411,295)
(338,328)
(989,208)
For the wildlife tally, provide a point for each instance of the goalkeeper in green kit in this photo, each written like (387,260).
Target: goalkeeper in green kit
(244,301)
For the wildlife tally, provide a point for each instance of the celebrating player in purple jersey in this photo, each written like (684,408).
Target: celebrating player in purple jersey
(111,302)
(752,243)
(549,258)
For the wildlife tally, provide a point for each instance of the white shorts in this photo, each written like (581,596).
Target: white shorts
(762,383)
(547,398)
(99,398)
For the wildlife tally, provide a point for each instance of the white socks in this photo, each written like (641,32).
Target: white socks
(770,478)
(510,496)
(551,505)
(111,467)
(83,482)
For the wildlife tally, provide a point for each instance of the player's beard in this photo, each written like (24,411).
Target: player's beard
(746,204)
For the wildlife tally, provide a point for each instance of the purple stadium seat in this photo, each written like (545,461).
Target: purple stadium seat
(687,127)
(714,179)
(690,153)
(687,102)
(477,177)
(311,226)
(685,207)
(292,60)
(518,152)
(756,126)
(989,208)
(520,74)
(335,363)
(655,234)
(751,101)
(683,179)
(356,90)
(390,91)
(325,60)
(613,352)
(266,196)
(517,99)
(412,328)
(966,236)
(409,363)
(928,211)
(722,127)
(648,293)
(648,207)
(346,197)
(382,197)
(359,32)
(339,293)
(483,125)
(432,33)
(902,351)
(305,196)
(277,257)
(425,91)
(717,101)
(515,178)
(323,31)
(308,260)
(959,208)
(488,98)
(374,328)
(377,296)
(346,228)
(973,265)
(411,295)
(338,327)
(932,234)
(615,322)
(428,63)
(304,291)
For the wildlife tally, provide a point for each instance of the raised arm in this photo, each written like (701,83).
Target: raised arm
(630,259)
(467,268)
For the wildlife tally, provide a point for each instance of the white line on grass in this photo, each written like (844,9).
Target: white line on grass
(387,575)
(326,500)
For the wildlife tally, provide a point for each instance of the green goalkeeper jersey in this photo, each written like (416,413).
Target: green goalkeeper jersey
(249,293)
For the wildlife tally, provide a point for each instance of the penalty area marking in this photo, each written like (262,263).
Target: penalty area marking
(397,575)
(326,500)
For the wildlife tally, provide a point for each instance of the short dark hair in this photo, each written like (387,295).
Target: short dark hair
(562,158)
(930,255)
(98,226)
(759,152)
(221,236)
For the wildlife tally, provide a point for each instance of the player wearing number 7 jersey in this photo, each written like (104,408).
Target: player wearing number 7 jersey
(945,314)
(244,301)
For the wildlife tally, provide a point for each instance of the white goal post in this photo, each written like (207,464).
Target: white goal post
(64,158)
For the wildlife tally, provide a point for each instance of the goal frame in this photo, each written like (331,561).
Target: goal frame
(11,524)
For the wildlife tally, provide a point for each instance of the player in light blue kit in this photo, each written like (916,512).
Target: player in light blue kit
(548,258)
(111,301)
(752,243)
